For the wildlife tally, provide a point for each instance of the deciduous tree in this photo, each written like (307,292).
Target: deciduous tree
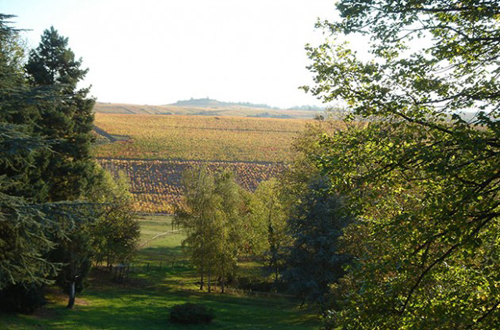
(116,232)
(422,176)
(268,222)
(211,215)
(197,215)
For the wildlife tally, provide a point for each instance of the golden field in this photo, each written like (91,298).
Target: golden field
(198,137)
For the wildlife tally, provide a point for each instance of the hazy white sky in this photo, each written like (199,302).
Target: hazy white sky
(158,52)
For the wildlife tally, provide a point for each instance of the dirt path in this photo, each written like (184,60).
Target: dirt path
(105,134)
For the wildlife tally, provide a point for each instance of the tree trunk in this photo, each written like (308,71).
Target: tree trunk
(223,278)
(201,280)
(108,258)
(276,272)
(209,284)
(71,301)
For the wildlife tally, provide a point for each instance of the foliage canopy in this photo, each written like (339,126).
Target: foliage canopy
(422,176)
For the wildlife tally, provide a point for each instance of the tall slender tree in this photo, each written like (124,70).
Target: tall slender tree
(196,215)
(315,260)
(228,223)
(268,221)
(211,216)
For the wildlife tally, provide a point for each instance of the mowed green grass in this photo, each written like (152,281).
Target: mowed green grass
(144,301)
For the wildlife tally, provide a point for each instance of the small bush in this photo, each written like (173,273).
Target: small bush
(21,298)
(258,285)
(191,314)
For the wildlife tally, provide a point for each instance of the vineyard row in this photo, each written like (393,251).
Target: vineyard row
(156,184)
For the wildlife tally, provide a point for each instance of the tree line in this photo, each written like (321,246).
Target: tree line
(291,225)
(59,211)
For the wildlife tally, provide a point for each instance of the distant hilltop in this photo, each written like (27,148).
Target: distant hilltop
(210,103)
(210,107)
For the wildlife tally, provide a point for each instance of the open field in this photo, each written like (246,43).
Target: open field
(198,137)
(144,301)
(156,184)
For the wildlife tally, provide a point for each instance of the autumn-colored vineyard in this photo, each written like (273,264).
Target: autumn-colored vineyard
(198,137)
(154,150)
(155,184)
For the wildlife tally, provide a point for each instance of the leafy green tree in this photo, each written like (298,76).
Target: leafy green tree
(268,225)
(116,232)
(422,176)
(228,234)
(303,168)
(196,215)
(211,214)
(315,260)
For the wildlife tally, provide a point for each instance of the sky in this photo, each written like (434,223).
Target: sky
(158,52)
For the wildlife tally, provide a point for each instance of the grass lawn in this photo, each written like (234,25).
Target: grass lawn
(144,301)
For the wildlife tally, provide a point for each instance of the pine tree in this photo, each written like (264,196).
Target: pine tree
(24,226)
(66,117)
(315,261)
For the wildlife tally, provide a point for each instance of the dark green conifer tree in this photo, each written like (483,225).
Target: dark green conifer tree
(315,261)
(67,117)
(24,226)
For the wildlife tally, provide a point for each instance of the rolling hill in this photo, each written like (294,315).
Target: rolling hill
(207,107)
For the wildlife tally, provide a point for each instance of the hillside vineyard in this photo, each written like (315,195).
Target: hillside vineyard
(154,150)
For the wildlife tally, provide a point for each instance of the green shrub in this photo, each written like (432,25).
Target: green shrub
(191,314)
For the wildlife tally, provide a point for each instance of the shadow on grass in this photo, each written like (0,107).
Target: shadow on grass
(145,309)
(146,305)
